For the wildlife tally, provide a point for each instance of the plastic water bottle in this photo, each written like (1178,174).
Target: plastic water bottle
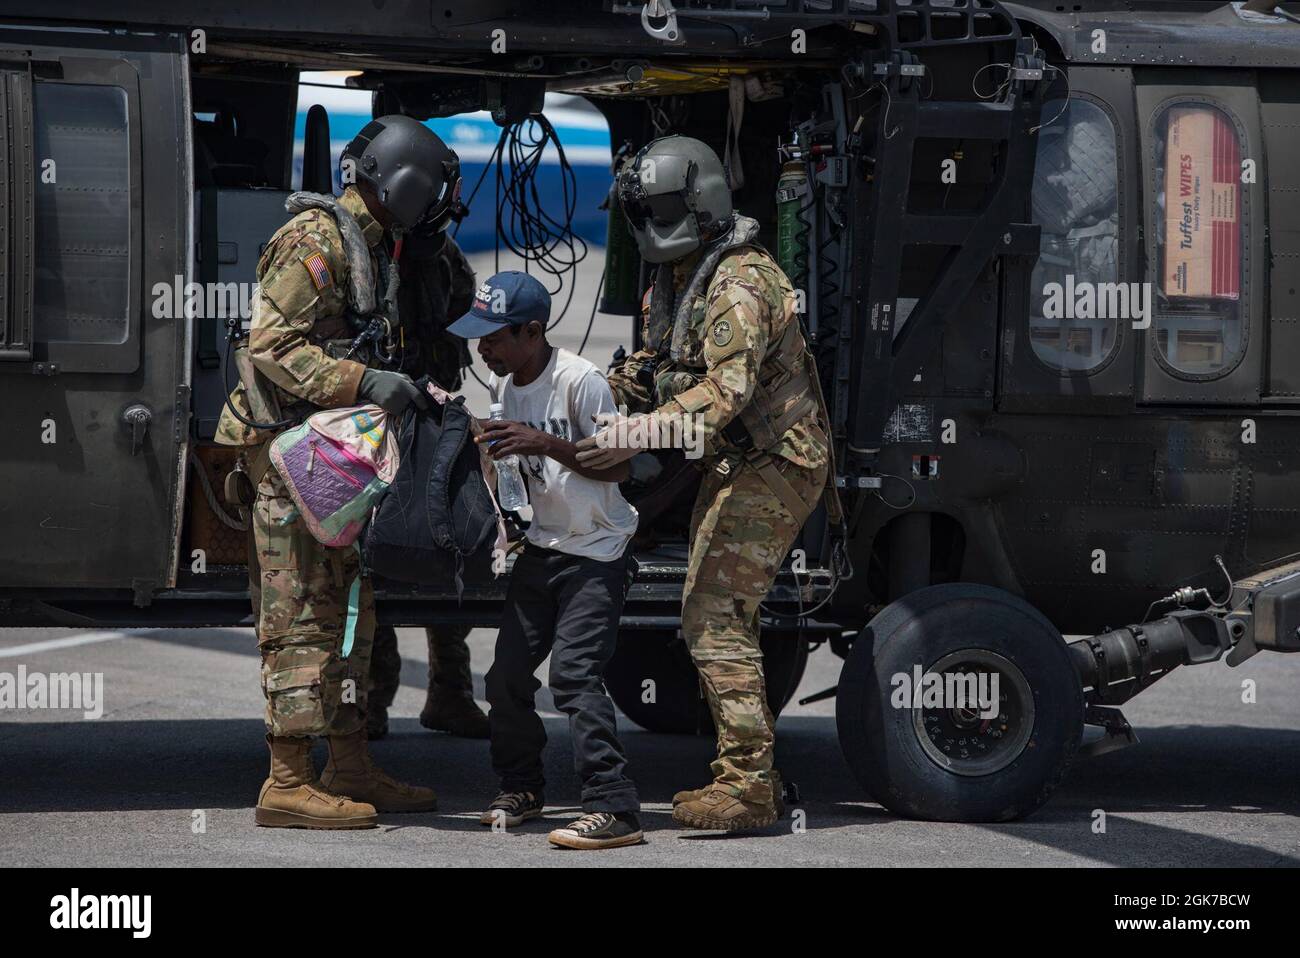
(512,494)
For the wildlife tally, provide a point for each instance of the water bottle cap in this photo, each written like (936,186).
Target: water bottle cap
(496,409)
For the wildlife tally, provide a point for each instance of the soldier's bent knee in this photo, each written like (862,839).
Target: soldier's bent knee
(705,616)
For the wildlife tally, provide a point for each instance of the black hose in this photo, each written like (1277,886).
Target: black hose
(592,318)
(225,383)
(496,152)
(534,234)
(827,267)
(806,234)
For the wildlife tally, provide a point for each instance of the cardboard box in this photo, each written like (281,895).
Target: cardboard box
(1202,205)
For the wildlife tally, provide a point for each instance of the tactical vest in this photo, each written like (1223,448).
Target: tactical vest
(366,268)
(335,334)
(784,393)
(787,389)
(270,402)
(361,273)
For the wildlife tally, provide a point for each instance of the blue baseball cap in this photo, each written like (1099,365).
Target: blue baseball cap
(509,298)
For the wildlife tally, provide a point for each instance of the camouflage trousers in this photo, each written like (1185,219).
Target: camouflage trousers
(449,670)
(300,590)
(742,532)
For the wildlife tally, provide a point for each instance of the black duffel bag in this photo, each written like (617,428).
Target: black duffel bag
(437,513)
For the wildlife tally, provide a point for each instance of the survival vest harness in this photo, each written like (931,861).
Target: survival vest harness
(368,315)
(787,389)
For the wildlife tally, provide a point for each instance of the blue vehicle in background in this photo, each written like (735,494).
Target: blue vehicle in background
(582,131)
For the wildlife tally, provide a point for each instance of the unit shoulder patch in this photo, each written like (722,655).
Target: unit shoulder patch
(722,333)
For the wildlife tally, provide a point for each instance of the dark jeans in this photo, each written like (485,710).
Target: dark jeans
(569,607)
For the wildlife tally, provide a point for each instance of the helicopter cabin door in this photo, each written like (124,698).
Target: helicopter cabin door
(94,244)
(1068,337)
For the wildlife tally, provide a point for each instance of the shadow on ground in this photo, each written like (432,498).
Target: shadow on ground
(189,764)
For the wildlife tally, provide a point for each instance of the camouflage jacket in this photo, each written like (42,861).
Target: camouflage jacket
(742,312)
(298,309)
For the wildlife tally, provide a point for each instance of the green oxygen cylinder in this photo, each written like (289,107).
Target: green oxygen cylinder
(791,231)
(620,295)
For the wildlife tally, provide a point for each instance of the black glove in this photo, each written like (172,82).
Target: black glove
(393,391)
(645,375)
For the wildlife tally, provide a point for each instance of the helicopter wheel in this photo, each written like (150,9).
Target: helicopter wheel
(941,756)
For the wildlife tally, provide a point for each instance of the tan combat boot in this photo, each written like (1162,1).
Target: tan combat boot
(456,713)
(719,810)
(351,771)
(292,798)
(695,794)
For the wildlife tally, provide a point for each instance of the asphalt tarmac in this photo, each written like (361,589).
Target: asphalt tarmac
(179,745)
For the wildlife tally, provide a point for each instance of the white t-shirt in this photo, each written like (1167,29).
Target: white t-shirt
(571,513)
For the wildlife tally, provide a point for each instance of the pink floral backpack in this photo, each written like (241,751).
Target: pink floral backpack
(337,465)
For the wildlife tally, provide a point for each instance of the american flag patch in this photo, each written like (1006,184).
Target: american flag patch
(320,272)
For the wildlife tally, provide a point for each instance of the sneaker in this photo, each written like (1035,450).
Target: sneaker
(598,830)
(513,808)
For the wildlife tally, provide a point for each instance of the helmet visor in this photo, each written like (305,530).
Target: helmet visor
(662,209)
(653,189)
(440,211)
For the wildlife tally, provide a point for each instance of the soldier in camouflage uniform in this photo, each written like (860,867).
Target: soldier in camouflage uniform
(317,267)
(437,287)
(725,353)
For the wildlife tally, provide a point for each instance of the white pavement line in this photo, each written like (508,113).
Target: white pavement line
(65,643)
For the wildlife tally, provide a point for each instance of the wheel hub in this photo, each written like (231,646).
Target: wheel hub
(983,737)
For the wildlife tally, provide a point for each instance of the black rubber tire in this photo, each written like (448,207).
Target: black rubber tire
(678,707)
(881,743)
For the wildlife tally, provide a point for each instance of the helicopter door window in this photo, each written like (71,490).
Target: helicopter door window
(1199,222)
(15,211)
(82,214)
(1076,203)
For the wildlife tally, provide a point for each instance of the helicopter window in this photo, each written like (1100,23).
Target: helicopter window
(83,220)
(15,242)
(1198,226)
(1076,202)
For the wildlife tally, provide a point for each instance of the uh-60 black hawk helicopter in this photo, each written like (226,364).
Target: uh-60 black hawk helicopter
(1049,252)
